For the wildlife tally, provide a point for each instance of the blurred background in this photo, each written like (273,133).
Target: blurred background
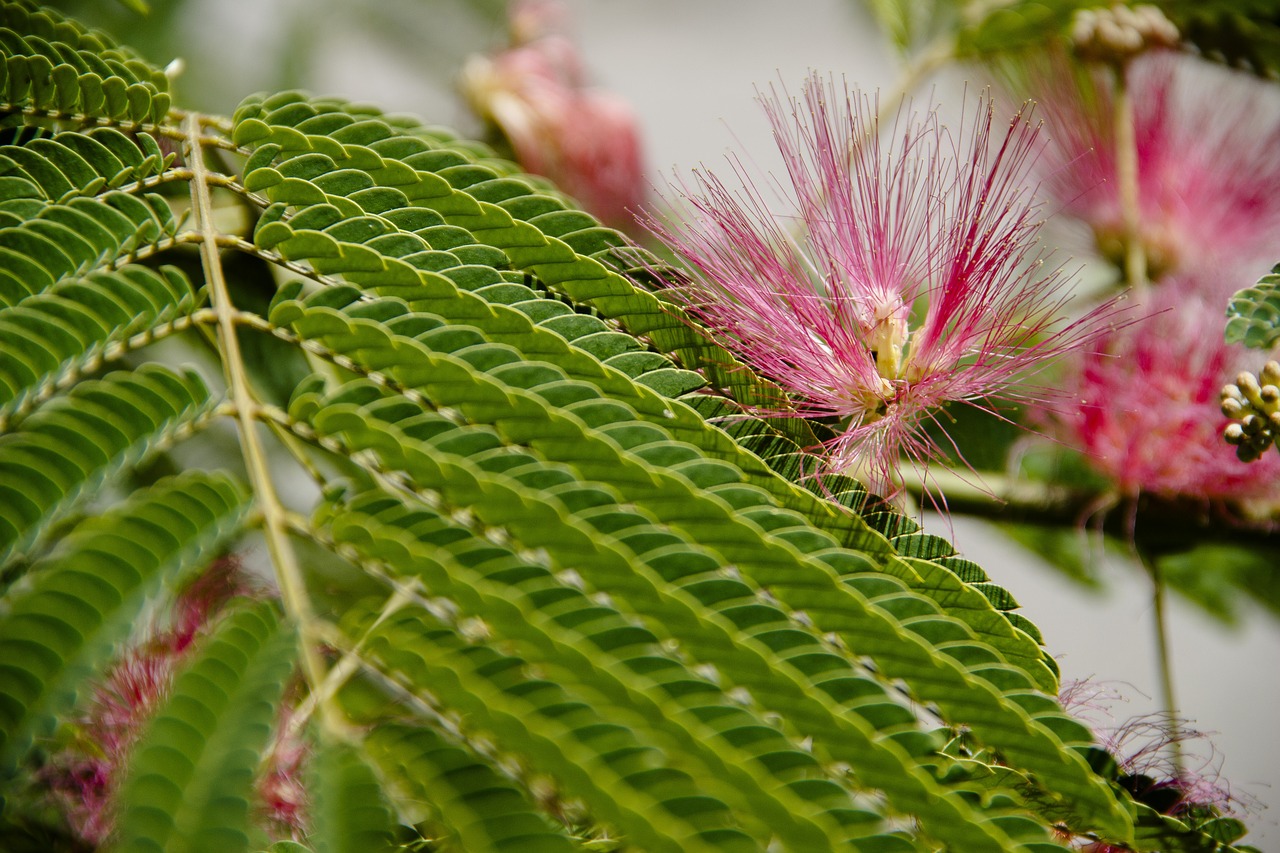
(690,71)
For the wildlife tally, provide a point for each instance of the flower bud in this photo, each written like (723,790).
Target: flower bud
(1270,395)
(1249,387)
(1270,373)
(1233,434)
(1120,33)
(584,139)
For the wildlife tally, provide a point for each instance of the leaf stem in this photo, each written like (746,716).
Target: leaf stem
(274,515)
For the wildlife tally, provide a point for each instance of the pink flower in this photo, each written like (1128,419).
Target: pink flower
(585,140)
(1142,750)
(1208,151)
(900,276)
(83,779)
(1147,411)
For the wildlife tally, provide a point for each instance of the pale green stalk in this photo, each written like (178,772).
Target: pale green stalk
(1126,154)
(275,523)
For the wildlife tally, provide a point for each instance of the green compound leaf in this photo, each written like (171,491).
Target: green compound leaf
(804,583)
(75,444)
(744,658)
(1241,33)
(375,167)
(320,233)
(1253,315)
(472,804)
(349,813)
(56,338)
(190,782)
(397,356)
(57,67)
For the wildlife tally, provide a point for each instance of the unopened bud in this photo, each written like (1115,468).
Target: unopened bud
(1156,28)
(1120,33)
(1270,395)
(1255,412)
(1249,387)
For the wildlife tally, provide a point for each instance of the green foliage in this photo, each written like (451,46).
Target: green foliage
(542,581)
(1253,315)
(1017,26)
(1241,33)
(61,620)
(191,776)
(350,814)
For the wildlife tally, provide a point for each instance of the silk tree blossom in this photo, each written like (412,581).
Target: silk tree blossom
(1147,412)
(84,778)
(1208,158)
(901,274)
(585,139)
(1142,748)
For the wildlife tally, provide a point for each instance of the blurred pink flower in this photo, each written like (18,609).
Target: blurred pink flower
(1208,148)
(585,140)
(1146,405)
(83,779)
(282,793)
(900,276)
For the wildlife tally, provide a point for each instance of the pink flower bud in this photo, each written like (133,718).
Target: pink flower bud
(585,140)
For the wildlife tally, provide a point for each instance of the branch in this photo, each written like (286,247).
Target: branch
(274,515)
(1172,523)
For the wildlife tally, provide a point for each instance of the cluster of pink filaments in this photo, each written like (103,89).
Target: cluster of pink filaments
(83,779)
(901,275)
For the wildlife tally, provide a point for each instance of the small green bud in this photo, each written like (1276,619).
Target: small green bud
(1271,373)
(1231,407)
(1233,434)
(1249,387)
